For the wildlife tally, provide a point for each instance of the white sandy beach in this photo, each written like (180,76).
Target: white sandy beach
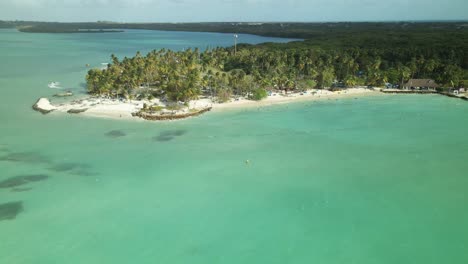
(123,109)
(292,97)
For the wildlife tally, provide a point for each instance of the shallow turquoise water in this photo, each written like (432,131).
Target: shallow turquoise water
(373,180)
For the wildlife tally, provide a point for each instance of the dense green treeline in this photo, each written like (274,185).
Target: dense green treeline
(253,69)
(164,72)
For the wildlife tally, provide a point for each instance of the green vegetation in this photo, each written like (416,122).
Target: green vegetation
(174,75)
(332,55)
(258,94)
(152,108)
(184,75)
(175,107)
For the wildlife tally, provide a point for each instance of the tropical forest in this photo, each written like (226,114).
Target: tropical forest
(333,59)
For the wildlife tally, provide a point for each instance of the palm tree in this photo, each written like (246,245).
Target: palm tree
(404,72)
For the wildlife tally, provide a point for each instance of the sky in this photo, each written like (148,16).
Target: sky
(232,10)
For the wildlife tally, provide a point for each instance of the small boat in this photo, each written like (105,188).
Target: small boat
(104,65)
(54,85)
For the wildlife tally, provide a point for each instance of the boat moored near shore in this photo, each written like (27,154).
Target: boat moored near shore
(54,85)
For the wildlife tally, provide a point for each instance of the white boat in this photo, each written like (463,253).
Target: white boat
(104,65)
(54,85)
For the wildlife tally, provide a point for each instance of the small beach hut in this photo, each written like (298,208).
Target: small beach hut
(421,84)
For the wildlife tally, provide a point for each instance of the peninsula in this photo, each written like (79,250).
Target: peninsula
(185,83)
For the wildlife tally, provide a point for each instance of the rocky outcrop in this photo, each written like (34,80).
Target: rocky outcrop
(159,117)
(44,106)
(394,91)
(65,94)
(455,96)
(77,111)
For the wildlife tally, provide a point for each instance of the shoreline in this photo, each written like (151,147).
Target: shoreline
(320,95)
(127,109)
(98,107)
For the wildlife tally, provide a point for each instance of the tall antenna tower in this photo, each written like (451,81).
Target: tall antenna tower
(235,43)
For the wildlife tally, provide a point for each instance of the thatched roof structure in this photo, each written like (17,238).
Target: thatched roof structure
(421,83)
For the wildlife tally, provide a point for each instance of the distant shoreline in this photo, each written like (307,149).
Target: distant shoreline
(297,30)
(72,31)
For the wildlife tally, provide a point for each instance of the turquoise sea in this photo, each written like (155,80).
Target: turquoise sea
(370,180)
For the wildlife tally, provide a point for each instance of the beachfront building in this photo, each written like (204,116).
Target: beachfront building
(421,84)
